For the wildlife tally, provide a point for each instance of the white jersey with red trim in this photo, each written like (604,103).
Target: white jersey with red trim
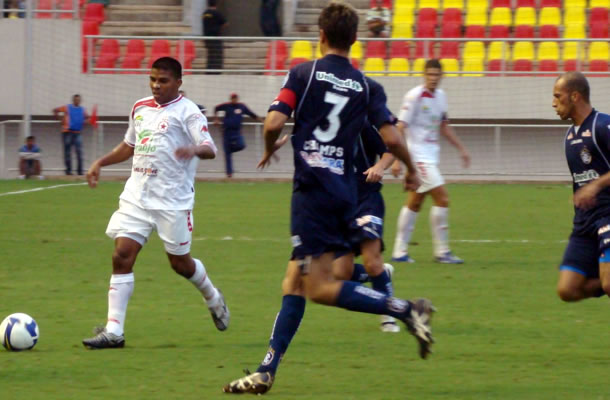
(423,112)
(159,180)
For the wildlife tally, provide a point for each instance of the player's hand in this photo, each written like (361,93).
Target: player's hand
(185,153)
(374,174)
(265,161)
(396,169)
(93,174)
(280,142)
(411,181)
(585,197)
(465,159)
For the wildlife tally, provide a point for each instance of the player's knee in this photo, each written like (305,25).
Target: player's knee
(606,286)
(122,259)
(319,294)
(374,266)
(568,293)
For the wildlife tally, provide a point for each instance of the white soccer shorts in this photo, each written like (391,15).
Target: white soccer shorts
(430,176)
(175,227)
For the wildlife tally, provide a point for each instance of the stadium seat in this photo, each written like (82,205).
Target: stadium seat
(385,3)
(67,5)
(451,30)
(280,64)
(472,65)
(403,16)
(398,66)
(483,4)
(473,50)
(501,16)
(498,32)
(548,51)
(453,4)
(356,50)
(435,4)
(549,32)
(131,61)
(475,32)
(189,51)
(599,66)
(598,51)
(573,51)
(525,16)
(318,53)
(526,3)
(355,63)
(374,64)
(159,46)
(375,49)
(523,51)
(110,49)
(399,49)
(425,31)
(476,16)
(548,65)
(451,16)
(574,32)
(296,61)
(105,62)
(498,51)
(574,4)
(598,15)
(89,28)
(450,64)
(500,3)
(523,65)
(424,49)
(44,5)
(496,66)
(572,65)
(450,50)
(94,12)
(598,31)
(574,16)
(279,47)
(301,49)
(599,3)
(427,16)
(418,66)
(136,48)
(549,16)
(404,4)
(402,31)
(550,3)
(524,32)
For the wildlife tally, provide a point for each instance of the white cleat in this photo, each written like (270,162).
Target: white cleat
(388,324)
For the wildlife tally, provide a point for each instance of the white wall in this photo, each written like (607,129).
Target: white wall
(12,32)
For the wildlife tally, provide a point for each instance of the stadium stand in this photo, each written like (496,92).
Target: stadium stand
(398,66)
(374,64)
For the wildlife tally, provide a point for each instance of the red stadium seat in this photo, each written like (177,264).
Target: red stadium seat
(94,12)
(475,32)
(451,30)
(549,32)
(44,5)
(598,31)
(132,61)
(598,66)
(548,65)
(159,46)
(189,51)
(571,65)
(598,15)
(399,49)
(526,3)
(499,32)
(524,32)
(355,63)
(136,48)
(500,3)
(450,50)
(452,16)
(427,16)
(110,49)
(496,65)
(88,28)
(281,54)
(425,31)
(67,5)
(424,49)
(296,61)
(281,49)
(375,49)
(385,3)
(522,65)
(105,62)
(550,3)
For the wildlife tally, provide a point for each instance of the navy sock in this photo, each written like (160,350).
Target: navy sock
(355,297)
(359,274)
(286,325)
(600,293)
(382,283)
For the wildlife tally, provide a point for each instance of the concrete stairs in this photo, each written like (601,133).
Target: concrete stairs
(144,17)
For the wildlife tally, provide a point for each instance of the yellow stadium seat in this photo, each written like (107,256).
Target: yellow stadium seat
(573,51)
(474,50)
(598,51)
(574,32)
(501,16)
(403,15)
(523,51)
(474,65)
(459,4)
(599,3)
(301,49)
(476,16)
(418,66)
(429,4)
(356,51)
(398,67)
(498,51)
(549,16)
(548,51)
(525,16)
(450,64)
(484,4)
(574,3)
(404,4)
(402,31)
(318,51)
(374,64)
(574,16)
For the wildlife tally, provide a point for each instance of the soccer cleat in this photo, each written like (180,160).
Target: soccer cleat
(418,324)
(104,340)
(220,313)
(256,383)
(388,324)
(406,258)
(448,258)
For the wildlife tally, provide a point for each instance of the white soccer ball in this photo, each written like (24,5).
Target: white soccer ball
(19,332)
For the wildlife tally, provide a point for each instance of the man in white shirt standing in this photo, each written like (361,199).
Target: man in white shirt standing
(167,134)
(424,116)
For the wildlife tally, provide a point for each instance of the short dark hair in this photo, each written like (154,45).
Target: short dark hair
(574,81)
(433,63)
(30,138)
(169,64)
(212,3)
(75,96)
(339,21)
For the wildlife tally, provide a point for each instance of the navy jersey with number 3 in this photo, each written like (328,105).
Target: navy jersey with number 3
(588,155)
(332,102)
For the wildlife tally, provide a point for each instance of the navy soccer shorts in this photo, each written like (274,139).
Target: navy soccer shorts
(367,223)
(583,252)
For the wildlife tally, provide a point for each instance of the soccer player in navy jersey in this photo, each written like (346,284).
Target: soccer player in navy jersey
(332,101)
(585,269)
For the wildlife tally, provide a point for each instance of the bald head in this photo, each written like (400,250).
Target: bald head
(574,81)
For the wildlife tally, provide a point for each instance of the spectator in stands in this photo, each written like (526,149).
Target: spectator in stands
(29,159)
(213,23)
(14,4)
(269,22)
(74,116)
(232,140)
(378,20)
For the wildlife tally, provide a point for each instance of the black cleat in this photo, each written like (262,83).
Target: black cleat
(418,324)
(104,340)
(256,383)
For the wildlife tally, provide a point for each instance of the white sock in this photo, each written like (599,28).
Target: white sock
(405,226)
(202,281)
(121,289)
(439,225)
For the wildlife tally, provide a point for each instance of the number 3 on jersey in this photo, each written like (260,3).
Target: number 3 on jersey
(334,123)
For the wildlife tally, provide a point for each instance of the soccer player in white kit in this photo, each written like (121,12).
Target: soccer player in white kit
(424,116)
(167,134)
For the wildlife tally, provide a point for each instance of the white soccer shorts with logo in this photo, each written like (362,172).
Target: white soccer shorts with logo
(174,227)
(429,175)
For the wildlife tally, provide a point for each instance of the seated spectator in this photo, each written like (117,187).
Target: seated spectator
(378,20)
(29,159)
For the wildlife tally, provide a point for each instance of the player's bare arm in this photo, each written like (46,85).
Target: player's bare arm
(396,145)
(585,197)
(274,123)
(396,168)
(119,154)
(204,152)
(375,173)
(448,132)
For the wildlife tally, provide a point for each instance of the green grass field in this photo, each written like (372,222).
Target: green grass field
(501,331)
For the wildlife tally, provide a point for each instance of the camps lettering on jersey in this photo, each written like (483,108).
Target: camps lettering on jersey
(370,149)
(331,101)
(423,111)
(588,155)
(160,181)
